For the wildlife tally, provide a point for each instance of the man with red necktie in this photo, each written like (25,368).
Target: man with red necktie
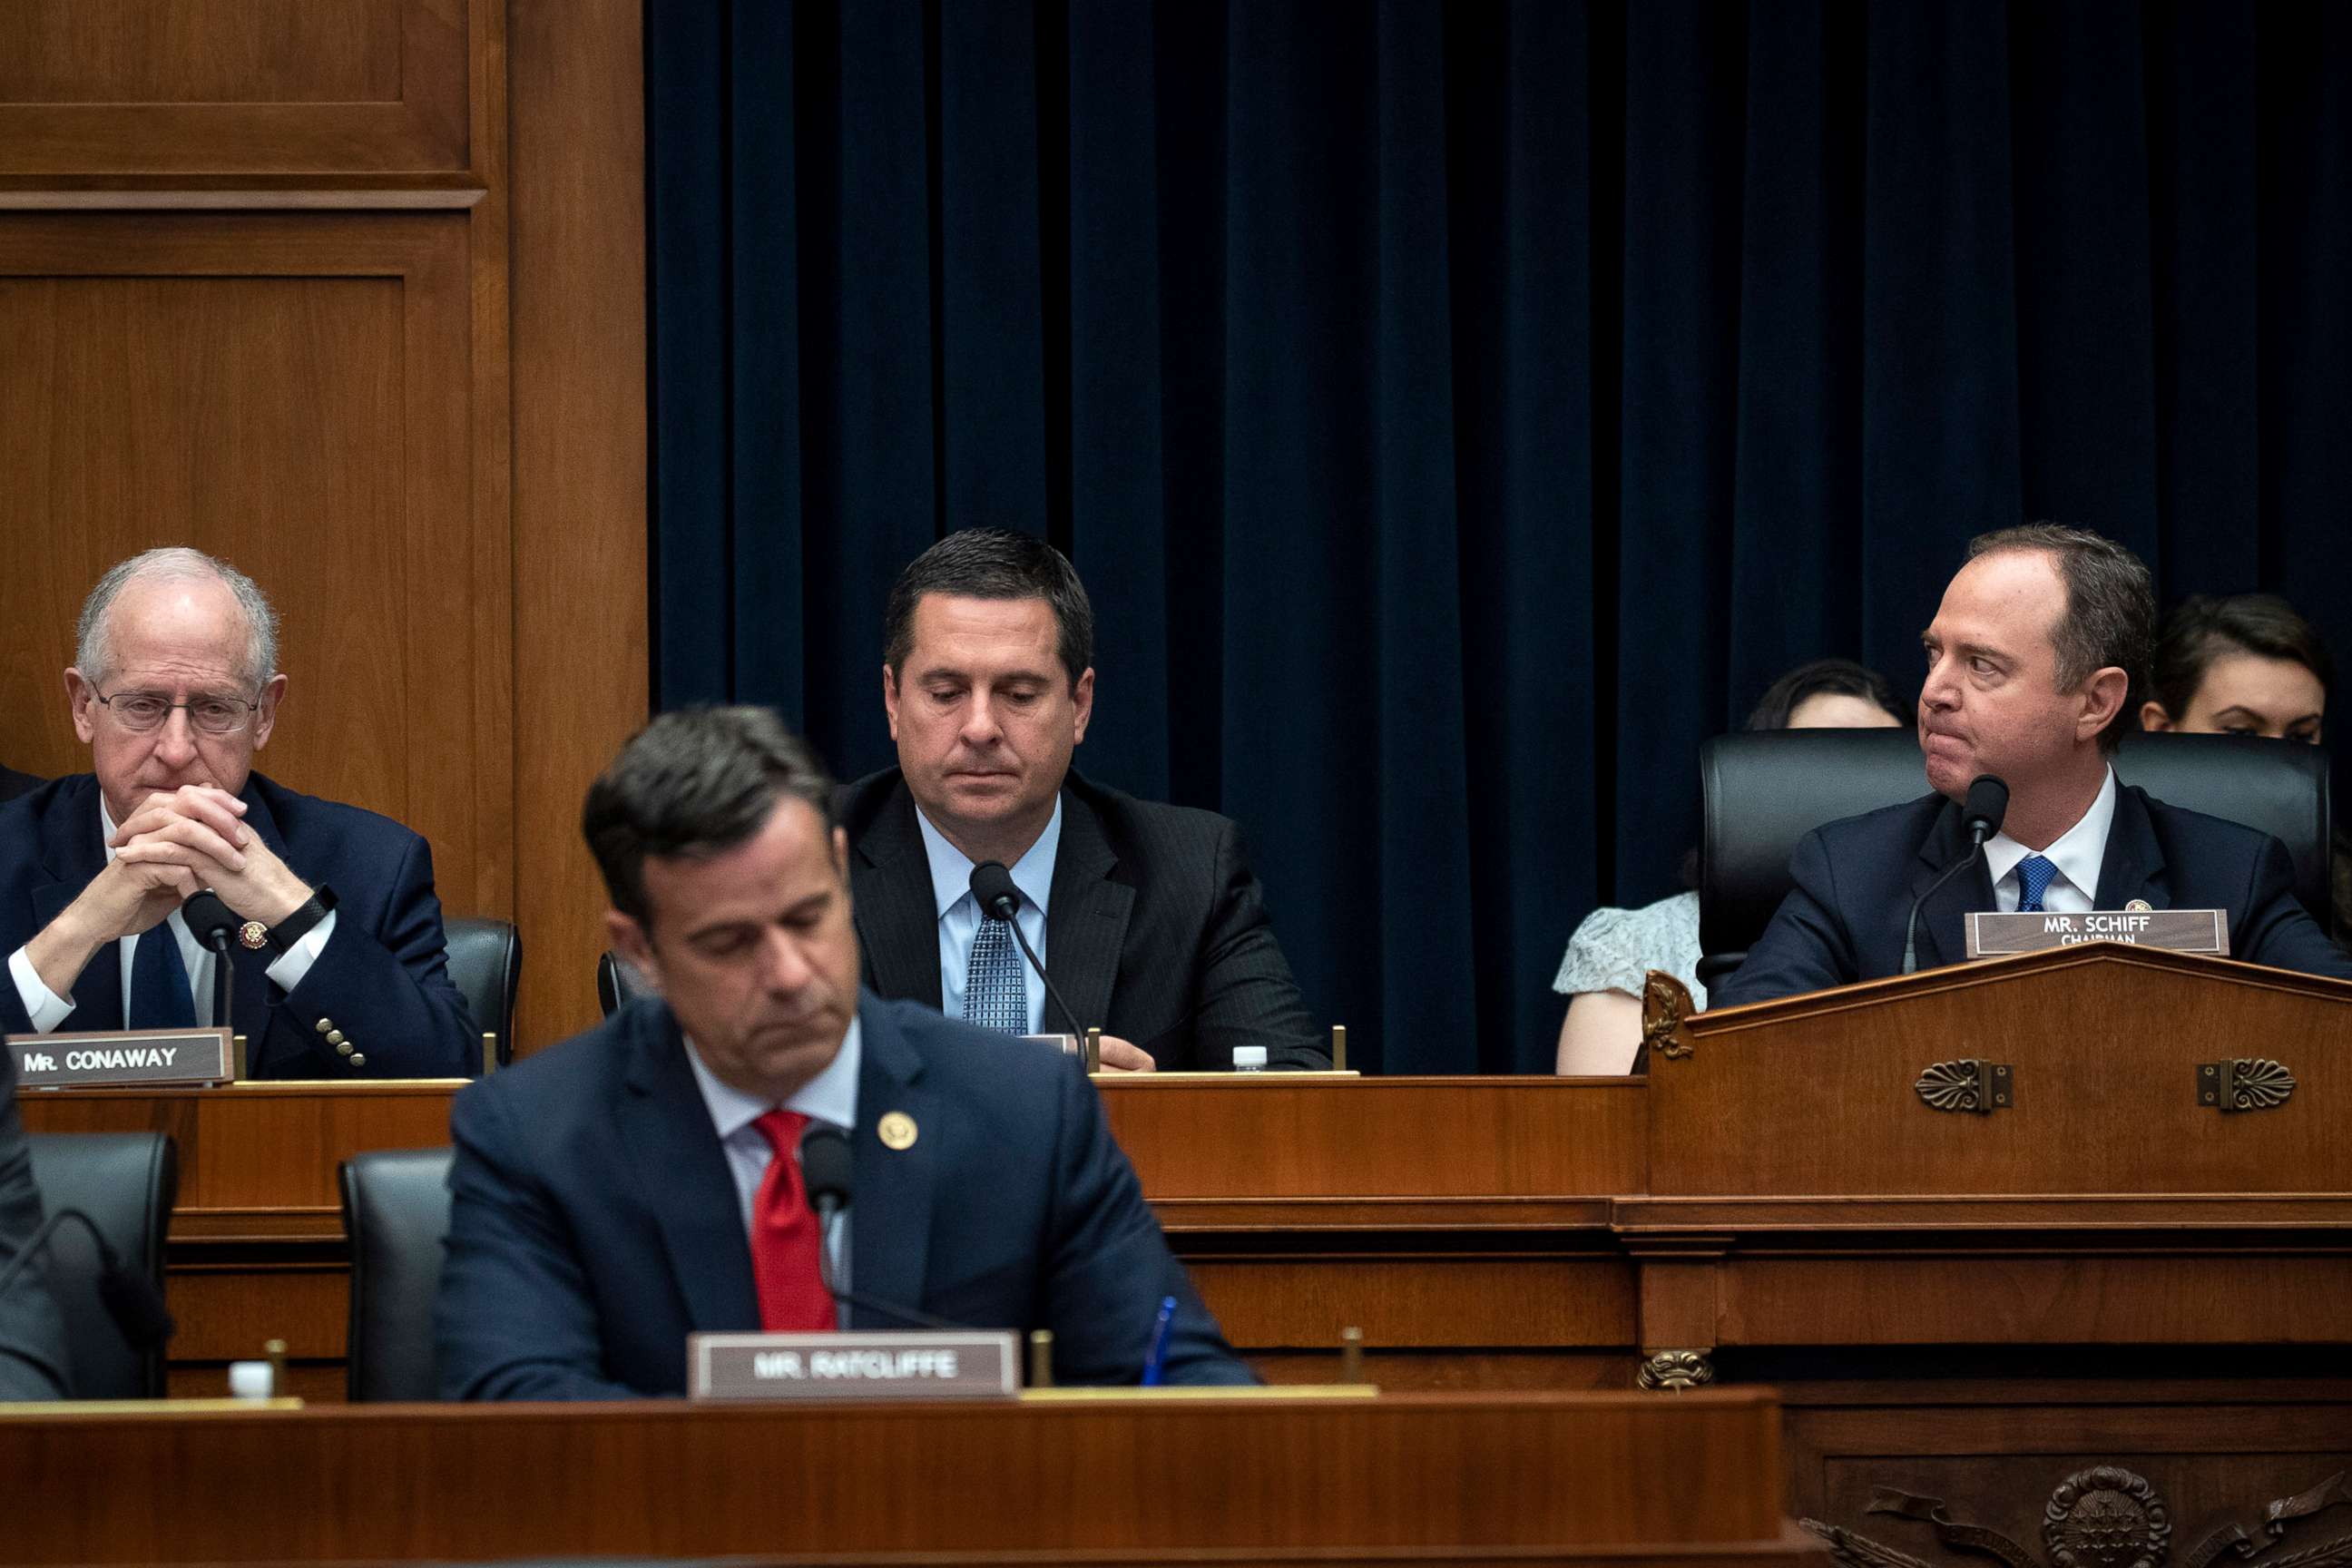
(641,1181)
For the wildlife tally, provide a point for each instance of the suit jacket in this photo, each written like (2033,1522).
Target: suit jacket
(32,1334)
(382,981)
(1155,929)
(1855,879)
(594,1221)
(14,783)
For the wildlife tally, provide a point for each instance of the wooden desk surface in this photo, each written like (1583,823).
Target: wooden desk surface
(1129,1478)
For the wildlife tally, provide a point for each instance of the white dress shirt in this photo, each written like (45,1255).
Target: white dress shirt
(48,1011)
(960,915)
(830,1095)
(2078,854)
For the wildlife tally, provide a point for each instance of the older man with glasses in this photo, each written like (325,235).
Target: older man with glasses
(337,968)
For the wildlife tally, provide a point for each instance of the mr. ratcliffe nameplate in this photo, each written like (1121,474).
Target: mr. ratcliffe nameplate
(2177,931)
(109,1058)
(915,1365)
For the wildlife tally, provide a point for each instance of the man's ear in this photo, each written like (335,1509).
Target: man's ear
(2102,700)
(81,696)
(890,698)
(267,719)
(1082,698)
(628,942)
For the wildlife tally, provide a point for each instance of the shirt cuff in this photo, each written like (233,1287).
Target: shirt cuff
(295,962)
(44,1007)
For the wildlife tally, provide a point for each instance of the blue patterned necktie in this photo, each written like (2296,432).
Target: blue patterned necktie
(994,994)
(160,997)
(2033,875)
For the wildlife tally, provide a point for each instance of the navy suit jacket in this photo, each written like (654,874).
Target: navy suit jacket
(1156,931)
(1855,879)
(593,1220)
(383,979)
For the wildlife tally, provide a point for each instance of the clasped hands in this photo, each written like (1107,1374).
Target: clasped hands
(178,843)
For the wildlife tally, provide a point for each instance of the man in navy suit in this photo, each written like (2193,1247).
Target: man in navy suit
(338,967)
(2032,660)
(641,1181)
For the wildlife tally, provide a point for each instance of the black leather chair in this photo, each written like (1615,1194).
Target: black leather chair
(617,984)
(486,965)
(397,1212)
(1762,793)
(125,1182)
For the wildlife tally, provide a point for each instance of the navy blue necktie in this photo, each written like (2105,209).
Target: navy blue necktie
(160,997)
(2033,875)
(995,994)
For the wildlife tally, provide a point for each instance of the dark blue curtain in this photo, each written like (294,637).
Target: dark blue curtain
(1459,410)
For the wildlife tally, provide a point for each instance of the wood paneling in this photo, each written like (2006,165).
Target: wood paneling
(1124,1478)
(580,470)
(262,292)
(278,390)
(154,87)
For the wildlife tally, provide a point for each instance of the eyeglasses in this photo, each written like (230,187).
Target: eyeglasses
(142,711)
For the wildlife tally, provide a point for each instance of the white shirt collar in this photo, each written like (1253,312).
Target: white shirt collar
(951,868)
(106,828)
(2078,853)
(830,1095)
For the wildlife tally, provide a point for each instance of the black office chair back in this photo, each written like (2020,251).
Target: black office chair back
(617,984)
(397,1212)
(486,965)
(1762,793)
(125,1182)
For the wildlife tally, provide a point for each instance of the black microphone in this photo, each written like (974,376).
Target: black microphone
(992,889)
(826,1174)
(130,1298)
(1981,814)
(214,924)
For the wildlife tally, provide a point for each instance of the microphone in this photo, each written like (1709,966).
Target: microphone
(130,1298)
(994,891)
(825,1173)
(214,924)
(1981,814)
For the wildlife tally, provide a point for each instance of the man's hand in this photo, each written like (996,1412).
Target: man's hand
(126,898)
(1120,1056)
(202,829)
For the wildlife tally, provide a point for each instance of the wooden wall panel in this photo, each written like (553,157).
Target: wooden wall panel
(110,88)
(272,283)
(278,390)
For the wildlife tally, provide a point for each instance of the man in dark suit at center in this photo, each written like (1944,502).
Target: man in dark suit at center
(642,1180)
(1147,916)
(2032,660)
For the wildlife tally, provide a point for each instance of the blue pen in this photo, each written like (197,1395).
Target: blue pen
(1157,1362)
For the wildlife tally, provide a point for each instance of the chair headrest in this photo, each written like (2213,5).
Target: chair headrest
(1762,793)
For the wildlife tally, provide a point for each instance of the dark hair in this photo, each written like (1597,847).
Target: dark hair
(2110,617)
(695,782)
(992,563)
(1823,677)
(2203,628)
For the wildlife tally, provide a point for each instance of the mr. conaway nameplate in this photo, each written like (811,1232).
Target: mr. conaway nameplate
(914,1365)
(105,1057)
(2177,931)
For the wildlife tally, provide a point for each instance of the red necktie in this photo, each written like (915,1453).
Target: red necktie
(786,1237)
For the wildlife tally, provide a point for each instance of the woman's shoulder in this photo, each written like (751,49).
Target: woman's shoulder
(1614,948)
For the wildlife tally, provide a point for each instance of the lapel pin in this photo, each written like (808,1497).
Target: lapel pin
(2138,907)
(897,1131)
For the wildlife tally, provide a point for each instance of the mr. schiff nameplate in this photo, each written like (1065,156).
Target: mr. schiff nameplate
(111,1057)
(914,1365)
(2176,930)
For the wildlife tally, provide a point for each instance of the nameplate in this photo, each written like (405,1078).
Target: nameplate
(105,1059)
(2176,930)
(915,1365)
(1069,1045)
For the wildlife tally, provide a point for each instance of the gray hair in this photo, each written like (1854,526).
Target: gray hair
(94,646)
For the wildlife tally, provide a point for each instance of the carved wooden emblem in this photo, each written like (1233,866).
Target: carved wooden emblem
(2106,1518)
(2245,1083)
(1969,1084)
(1666,1005)
(2103,1517)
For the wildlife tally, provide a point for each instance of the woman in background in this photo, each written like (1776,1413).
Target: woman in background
(1602,972)
(2246,664)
